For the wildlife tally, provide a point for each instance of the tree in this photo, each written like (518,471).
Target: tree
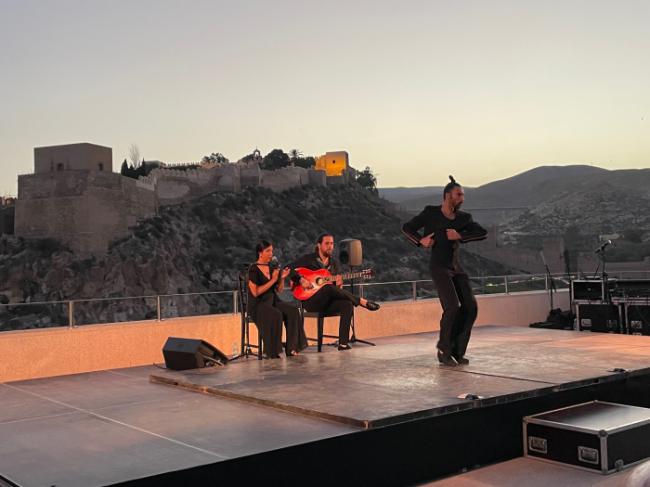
(134,155)
(295,154)
(275,159)
(216,158)
(367,179)
(124,170)
(306,162)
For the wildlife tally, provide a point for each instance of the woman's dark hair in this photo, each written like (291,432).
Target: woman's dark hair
(450,186)
(262,245)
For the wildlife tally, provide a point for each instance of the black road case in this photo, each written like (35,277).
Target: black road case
(596,436)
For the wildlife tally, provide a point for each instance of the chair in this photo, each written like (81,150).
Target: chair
(320,317)
(246,320)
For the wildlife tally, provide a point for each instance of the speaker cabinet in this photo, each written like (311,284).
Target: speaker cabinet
(350,252)
(603,318)
(586,290)
(191,353)
(638,319)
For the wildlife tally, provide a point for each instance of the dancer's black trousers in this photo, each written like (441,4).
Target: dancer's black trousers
(459,311)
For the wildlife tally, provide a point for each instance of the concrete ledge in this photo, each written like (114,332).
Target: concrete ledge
(51,352)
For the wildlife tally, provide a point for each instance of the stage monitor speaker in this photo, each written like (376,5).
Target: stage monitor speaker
(191,353)
(638,319)
(350,252)
(602,318)
(585,290)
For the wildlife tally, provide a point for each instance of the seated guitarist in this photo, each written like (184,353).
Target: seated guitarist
(330,298)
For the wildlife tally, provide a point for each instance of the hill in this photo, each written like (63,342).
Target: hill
(201,245)
(529,188)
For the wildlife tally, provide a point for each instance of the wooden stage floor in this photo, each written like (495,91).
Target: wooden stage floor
(123,426)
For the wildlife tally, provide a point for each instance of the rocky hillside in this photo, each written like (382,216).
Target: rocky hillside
(603,209)
(200,246)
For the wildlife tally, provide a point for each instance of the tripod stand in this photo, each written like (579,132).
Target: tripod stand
(353,338)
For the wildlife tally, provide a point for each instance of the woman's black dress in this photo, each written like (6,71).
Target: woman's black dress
(268,312)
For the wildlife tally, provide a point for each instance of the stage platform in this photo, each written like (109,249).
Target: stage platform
(384,415)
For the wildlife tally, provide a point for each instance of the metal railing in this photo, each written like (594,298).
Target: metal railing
(79,312)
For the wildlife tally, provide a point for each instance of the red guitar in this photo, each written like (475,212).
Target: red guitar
(320,278)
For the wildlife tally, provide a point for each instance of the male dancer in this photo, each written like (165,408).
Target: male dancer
(445,227)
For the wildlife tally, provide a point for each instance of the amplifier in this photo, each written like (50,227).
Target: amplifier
(637,318)
(597,436)
(602,318)
(631,288)
(587,290)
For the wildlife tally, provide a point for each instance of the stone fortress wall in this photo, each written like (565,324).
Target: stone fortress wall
(74,197)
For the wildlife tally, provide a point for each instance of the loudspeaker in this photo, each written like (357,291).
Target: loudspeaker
(603,318)
(350,252)
(585,290)
(191,353)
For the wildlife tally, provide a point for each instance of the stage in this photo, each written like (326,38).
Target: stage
(384,415)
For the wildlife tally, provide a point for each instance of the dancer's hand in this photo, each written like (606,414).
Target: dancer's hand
(285,272)
(453,234)
(427,241)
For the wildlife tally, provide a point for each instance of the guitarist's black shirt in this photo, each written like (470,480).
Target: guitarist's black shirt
(313,263)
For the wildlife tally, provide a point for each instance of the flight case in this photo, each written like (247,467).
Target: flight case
(596,436)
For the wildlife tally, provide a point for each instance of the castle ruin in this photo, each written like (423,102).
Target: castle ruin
(75,197)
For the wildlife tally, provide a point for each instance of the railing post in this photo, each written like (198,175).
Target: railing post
(158,308)
(414,287)
(546,282)
(235,301)
(505,284)
(70,313)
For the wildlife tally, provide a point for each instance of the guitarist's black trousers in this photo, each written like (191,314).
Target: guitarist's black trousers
(332,299)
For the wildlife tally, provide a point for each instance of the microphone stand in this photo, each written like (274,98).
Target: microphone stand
(603,275)
(353,338)
(549,277)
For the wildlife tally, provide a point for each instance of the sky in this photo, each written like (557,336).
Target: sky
(414,89)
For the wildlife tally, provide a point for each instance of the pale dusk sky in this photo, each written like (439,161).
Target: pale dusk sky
(413,89)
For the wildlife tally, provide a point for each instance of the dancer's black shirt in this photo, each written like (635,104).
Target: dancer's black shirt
(444,253)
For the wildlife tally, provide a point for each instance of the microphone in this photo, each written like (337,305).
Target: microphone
(274,264)
(602,246)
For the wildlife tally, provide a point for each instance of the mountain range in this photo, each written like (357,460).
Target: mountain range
(549,199)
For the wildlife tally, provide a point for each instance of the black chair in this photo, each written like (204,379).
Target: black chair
(320,317)
(246,320)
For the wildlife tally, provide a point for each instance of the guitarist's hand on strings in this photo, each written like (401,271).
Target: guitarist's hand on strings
(339,281)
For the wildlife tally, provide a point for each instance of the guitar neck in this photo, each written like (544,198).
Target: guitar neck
(351,275)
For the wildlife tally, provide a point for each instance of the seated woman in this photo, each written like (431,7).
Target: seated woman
(267,310)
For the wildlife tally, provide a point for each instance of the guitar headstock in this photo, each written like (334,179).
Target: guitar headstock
(367,274)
